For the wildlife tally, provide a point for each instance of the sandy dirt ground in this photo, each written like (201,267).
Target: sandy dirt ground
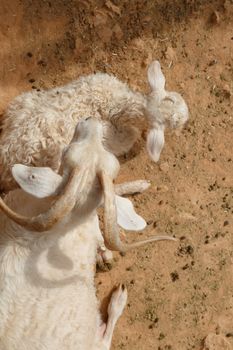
(180,294)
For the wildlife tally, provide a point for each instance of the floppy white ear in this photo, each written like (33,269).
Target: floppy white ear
(127,218)
(40,182)
(155,143)
(155,77)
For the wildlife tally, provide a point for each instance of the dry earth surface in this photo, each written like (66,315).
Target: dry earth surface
(180,294)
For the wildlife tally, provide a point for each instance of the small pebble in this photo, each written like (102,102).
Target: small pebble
(174,276)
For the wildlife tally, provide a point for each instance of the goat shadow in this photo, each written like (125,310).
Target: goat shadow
(56,258)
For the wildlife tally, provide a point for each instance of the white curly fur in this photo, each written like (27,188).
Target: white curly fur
(37,125)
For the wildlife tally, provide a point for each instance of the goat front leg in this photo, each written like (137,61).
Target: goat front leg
(115,309)
(104,256)
(132,187)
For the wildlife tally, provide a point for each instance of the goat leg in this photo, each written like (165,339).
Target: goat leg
(132,187)
(104,256)
(115,309)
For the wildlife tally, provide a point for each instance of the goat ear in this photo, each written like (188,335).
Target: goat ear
(39,182)
(155,143)
(127,218)
(155,77)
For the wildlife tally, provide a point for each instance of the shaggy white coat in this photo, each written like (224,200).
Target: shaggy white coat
(37,125)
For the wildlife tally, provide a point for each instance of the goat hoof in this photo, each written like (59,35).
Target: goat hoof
(118,301)
(104,259)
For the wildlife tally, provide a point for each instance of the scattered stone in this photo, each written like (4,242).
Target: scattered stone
(215,18)
(138,44)
(188,216)
(170,54)
(42,63)
(228,6)
(216,342)
(78,45)
(163,188)
(113,7)
(100,18)
(117,31)
(146,60)
(122,254)
(164,167)
(174,276)
(186,250)
(229,335)
(147,19)
(213,62)
(106,266)
(129,268)
(71,41)
(226,91)
(104,33)
(161,336)
(149,222)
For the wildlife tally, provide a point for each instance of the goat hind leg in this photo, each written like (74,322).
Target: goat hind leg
(104,256)
(132,187)
(115,309)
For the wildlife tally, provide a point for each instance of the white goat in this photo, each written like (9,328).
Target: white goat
(47,258)
(37,125)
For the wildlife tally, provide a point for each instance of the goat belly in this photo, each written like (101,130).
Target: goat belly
(62,318)
(47,294)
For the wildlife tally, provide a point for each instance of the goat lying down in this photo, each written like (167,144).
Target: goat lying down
(39,124)
(49,237)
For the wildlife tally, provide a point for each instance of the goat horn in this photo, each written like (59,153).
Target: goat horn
(61,207)
(111,229)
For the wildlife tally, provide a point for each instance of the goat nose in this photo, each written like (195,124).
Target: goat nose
(87,118)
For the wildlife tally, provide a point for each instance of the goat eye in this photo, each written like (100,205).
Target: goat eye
(32,177)
(168,99)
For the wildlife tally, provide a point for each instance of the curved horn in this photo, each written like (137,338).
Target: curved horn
(61,207)
(111,229)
